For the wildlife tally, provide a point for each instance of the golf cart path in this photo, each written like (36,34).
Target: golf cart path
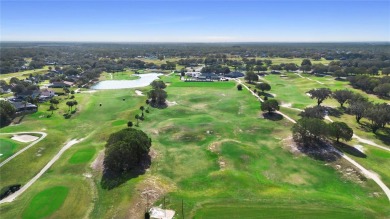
(261,100)
(43,135)
(44,169)
(363,140)
(369,174)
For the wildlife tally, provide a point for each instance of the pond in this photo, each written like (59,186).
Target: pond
(143,81)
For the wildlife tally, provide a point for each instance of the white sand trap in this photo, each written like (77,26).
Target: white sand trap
(308,94)
(139,93)
(169,103)
(287,105)
(156,212)
(359,147)
(88,91)
(24,138)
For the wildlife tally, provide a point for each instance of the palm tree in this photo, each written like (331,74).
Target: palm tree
(142,108)
(67,91)
(52,108)
(137,118)
(70,104)
(75,103)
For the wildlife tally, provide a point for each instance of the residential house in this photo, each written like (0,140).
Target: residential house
(235,74)
(47,93)
(61,84)
(208,77)
(24,106)
(28,93)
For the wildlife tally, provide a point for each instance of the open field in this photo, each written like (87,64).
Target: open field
(213,150)
(24,74)
(124,75)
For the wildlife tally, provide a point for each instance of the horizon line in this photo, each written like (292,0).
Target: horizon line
(211,42)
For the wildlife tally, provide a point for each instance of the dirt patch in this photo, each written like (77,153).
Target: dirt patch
(97,164)
(348,171)
(290,145)
(287,105)
(147,193)
(295,179)
(24,138)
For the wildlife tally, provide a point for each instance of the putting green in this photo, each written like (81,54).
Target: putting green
(7,148)
(46,202)
(118,122)
(82,156)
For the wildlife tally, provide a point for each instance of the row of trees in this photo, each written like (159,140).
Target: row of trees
(308,130)
(158,95)
(359,106)
(376,85)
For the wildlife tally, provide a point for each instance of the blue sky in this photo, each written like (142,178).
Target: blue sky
(195,21)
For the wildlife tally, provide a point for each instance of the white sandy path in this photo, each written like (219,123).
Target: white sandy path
(309,78)
(44,169)
(43,135)
(261,100)
(368,174)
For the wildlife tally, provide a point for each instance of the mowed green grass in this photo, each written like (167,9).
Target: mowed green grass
(213,150)
(8,147)
(262,210)
(46,202)
(23,74)
(220,84)
(82,156)
(123,75)
(256,164)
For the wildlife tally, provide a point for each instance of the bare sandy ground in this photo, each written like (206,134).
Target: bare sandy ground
(139,93)
(24,138)
(171,103)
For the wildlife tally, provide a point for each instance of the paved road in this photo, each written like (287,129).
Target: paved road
(43,135)
(44,169)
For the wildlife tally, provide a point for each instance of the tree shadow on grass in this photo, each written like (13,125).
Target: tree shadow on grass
(273,116)
(111,180)
(319,150)
(267,95)
(67,115)
(159,106)
(383,134)
(349,150)
(333,112)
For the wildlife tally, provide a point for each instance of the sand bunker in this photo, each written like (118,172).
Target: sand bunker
(171,103)
(139,93)
(24,138)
